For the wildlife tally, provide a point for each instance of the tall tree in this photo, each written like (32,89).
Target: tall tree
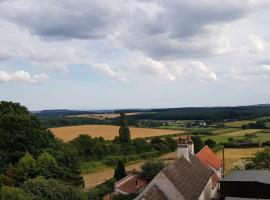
(120,171)
(124,133)
(198,143)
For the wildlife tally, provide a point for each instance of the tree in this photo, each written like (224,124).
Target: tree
(124,133)
(47,166)
(26,168)
(13,193)
(120,171)
(211,143)
(198,143)
(151,168)
(20,132)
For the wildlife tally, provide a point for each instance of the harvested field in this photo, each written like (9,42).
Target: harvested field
(107,132)
(239,124)
(232,156)
(104,116)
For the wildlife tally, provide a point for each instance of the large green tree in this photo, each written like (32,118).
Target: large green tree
(20,132)
(120,171)
(124,133)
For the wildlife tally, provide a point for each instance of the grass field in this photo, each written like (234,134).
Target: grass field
(232,156)
(242,132)
(107,132)
(238,124)
(103,116)
(225,130)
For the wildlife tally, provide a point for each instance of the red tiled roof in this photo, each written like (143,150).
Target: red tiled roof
(128,184)
(207,156)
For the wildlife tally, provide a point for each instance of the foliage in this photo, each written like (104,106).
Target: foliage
(26,168)
(260,161)
(211,143)
(47,166)
(125,196)
(198,143)
(151,168)
(52,189)
(100,191)
(124,133)
(17,126)
(13,193)
(257,125)
(120,171)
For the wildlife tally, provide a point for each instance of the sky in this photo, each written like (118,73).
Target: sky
(92,54)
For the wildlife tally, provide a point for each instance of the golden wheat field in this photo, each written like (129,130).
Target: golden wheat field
(108,132)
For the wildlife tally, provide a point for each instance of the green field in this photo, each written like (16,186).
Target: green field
(239,124)
(225,130)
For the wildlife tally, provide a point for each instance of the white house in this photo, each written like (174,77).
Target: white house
(188,178)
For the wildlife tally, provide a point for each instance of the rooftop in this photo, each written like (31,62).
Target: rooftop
(207,156)
(131,183)
(261,176)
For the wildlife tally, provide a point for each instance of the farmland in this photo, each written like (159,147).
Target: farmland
(108,132)
(232,156)
(103,115)
(239,124)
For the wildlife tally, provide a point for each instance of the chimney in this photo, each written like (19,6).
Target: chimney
(182,151)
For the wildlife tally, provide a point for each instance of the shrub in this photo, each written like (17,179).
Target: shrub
(13,193)
(52,189)
(151,168)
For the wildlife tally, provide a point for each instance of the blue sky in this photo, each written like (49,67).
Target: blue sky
(134,54)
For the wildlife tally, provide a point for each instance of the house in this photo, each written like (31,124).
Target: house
(253,184)
(132,183)
(207,156)
(190,177)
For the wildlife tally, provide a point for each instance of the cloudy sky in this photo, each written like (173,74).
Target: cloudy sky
(92,54)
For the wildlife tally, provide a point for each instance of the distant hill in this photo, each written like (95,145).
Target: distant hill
(205,113)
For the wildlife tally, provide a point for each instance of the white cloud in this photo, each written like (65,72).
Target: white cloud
(22,76)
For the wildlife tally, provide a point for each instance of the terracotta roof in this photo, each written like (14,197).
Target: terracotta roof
(131,183)
(154,193)
(207,156)
(189,177)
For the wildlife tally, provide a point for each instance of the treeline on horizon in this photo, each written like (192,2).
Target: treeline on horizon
(56,118)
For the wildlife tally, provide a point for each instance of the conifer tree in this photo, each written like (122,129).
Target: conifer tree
(124,133)
(120,171)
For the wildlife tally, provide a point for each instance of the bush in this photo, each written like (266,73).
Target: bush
(52,189)
(151,168)
(13,193)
